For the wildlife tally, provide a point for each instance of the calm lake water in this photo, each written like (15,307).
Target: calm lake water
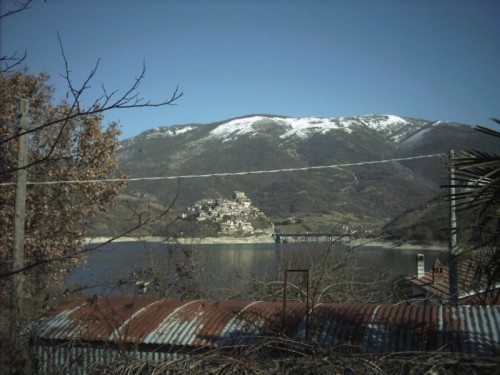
(235,262)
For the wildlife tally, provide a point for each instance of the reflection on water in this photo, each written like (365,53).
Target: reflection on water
(229,265)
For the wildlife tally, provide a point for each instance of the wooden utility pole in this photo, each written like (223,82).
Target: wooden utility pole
(452,245)
(19,222)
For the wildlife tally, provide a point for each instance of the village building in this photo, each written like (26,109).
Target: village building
(433,286)
(235,216)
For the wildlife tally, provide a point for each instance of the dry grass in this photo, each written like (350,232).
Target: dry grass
(265,359)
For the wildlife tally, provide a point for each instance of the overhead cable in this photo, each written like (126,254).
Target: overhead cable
(225,174)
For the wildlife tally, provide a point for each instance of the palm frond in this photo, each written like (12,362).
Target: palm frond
(477,183)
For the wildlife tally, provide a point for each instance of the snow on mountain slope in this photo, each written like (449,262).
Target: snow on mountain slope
(170,131)
(383,122)
(391,126)
(303,127)
(394,127)
(160,132)
(234,128)
(298,127)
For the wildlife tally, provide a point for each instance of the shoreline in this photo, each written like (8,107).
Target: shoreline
(264,239)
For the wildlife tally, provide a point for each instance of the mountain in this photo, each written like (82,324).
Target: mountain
(365,196)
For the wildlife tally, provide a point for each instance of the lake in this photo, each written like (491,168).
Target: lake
(108,268)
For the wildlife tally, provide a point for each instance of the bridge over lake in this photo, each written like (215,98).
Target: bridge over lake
(309,237)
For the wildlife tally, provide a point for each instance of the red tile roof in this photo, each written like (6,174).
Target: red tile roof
(436,283)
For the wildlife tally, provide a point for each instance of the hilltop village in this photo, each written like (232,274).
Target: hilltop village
(229,217)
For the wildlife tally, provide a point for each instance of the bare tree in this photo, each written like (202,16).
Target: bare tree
(8,62)
(335,275)
(66,142)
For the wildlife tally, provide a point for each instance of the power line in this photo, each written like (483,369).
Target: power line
(225,174)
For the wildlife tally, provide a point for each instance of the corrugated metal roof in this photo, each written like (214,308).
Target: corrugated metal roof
(200,323)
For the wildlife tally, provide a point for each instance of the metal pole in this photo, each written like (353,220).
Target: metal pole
(19,222)
(452,245)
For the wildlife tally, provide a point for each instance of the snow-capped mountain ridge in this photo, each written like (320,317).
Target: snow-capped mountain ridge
(367,194)
(167,131)
(394,127)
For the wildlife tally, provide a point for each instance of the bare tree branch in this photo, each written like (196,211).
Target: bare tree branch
(86,250)
(20,6)
(8,63)
(106,102)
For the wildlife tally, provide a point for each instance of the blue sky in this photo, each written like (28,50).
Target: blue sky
(430,59)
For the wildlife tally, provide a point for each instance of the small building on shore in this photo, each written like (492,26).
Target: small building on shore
(433,286)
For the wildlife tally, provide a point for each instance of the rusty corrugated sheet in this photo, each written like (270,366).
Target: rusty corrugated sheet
(397,328)
(360,327)
(92,319)
(335,325)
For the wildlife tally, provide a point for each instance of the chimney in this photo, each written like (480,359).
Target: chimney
(420,265)
(437,271)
